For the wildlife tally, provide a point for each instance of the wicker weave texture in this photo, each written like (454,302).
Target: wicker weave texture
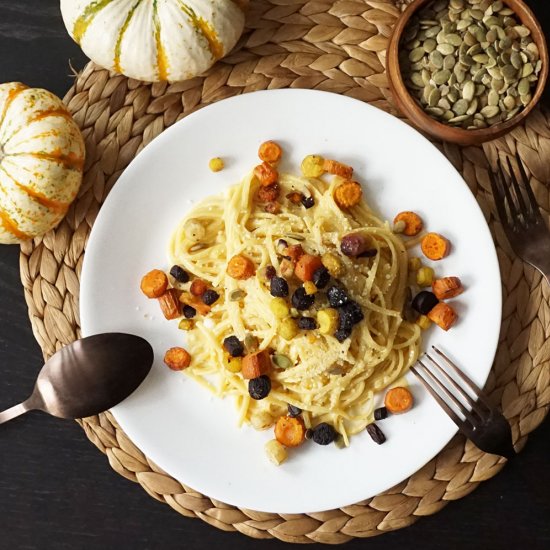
(318,44)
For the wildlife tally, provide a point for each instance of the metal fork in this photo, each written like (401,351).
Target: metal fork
(520,215)
(475,417)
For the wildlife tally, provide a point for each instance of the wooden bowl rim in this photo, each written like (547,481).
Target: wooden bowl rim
(452,133)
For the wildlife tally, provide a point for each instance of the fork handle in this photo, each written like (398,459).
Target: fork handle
(14,412)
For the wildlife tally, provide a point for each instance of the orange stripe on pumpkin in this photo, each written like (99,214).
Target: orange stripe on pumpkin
(58,207)
(41,115)
(11,226)
(70,161)
(12,94)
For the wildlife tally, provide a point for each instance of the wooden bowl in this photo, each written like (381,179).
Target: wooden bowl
(411,108)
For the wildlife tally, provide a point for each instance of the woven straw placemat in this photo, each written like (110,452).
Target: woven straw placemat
(325,45)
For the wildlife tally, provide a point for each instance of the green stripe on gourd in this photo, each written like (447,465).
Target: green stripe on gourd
(121,32)
(83,22)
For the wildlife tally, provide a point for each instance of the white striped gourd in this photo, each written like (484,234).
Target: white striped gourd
(41,162)
(155,40)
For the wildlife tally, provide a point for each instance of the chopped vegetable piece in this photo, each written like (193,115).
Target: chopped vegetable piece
(262,420)
(423,322)
(272,207)
(337,296)
(435,246)
(195,302)
(338,168)
(154,283)
(447,287)
(216,164)
(259,387)
(309,287)
(294,411)
(233,346)
(279,307)
(269,193)
(295,197)
(266,174)
(333,264)
(294,252)
(307,323)
(306,266)
(186,324)
(255,364)
(290,431)
(342,334)
(376,433)
(328,320)
(321,277)
(424,302)
(198,287)
(251,343)
(413,223)
(179,274)
(349,315)
(276,452)
(278,287)
(281,361)
(398,400)
(312,166)
(308,202)
(240,267)
(270,272)
(189,312)
(177,358)
(414,264)
(324,434)
(380,413)
(443,315)
(288,329)
(234,364)
(424,276)
(287,268)
(210,297)
(169,304)
(354,244)
(348,194)
(270,151)
(301,300)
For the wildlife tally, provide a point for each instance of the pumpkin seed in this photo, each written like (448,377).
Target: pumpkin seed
(492,98)
(522,31)
(434,97)
(435,111)
(489,111)
(460,107)
(436,59)
(527,70)
(509,102)
(524,86)
(281,361)
(444,103)
(525,99)
(472,108)
(481,58)
(445,49)
(440,77)
(508,72)
(449,62)
(416,79)
(515,59)
(433,31)
(417,54)
(429,45)
(459,118)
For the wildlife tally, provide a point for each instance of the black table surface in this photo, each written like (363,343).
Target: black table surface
(57,490)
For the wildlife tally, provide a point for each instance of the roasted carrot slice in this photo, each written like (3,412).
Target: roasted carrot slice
(270,151)
(255,364)
(398,400)
(294,252)
(290,431)
(413,223)
(306,266)
(443,315)
(198,287)
(170,304)
(154,283)
(447,287)
(338,168)
(435,246)
(269,193)
(348,194)
(266,174)
(177,358)
(240,267)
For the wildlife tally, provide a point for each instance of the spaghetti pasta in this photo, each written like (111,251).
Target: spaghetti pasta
(331,381)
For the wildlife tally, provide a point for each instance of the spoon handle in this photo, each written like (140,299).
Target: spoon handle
(13,412)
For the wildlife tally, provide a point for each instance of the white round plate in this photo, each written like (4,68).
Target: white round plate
(177,423)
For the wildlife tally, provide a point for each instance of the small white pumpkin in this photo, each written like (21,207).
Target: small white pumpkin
(41,162)
(155,40)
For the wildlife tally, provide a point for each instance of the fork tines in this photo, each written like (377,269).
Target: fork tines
(467,399)
(517,207)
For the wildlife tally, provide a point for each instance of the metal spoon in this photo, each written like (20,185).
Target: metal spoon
(88,376)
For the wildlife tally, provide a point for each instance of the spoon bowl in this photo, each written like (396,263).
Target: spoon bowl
(89,376)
